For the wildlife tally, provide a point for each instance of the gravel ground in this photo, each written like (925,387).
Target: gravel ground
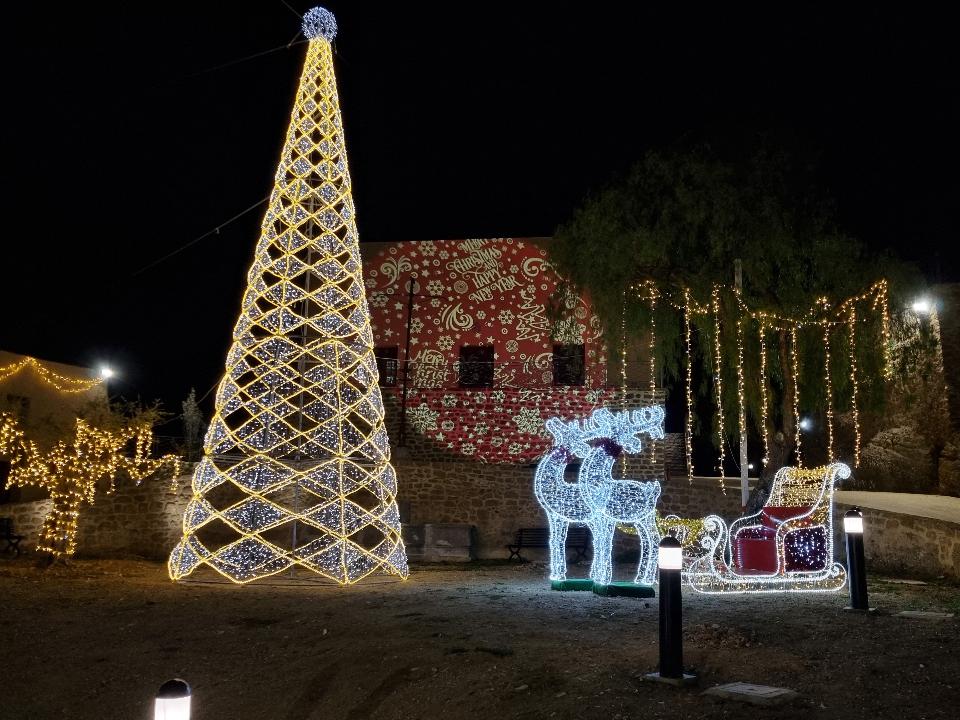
(95,640)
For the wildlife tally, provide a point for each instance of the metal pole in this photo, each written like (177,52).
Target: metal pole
(856,563)
(671,613)
(744,461)
(406,362)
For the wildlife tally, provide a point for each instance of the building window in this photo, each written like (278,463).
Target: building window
(476,366)
(568,365)
(387,364)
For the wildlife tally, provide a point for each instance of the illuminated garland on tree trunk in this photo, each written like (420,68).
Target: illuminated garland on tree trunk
(70,472)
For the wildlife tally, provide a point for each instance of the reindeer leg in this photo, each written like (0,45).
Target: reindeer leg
(601,570)
(646,568)
(558,546)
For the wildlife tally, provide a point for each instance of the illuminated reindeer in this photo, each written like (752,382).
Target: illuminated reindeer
(621,501)
(567,502)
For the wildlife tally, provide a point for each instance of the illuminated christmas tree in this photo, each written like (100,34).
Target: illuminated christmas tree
(296,468)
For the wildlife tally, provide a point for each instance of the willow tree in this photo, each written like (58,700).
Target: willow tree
(680,220)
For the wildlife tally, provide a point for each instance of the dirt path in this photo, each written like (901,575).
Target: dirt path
(95,641)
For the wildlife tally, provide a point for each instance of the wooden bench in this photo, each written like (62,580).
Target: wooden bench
(578,538)
(6,533)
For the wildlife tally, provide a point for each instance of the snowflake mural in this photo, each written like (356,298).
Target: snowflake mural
(529,421)
(422,418)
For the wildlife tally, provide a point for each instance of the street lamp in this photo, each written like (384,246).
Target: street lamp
(922,306)
(106,372)
(856,564)
(806,424)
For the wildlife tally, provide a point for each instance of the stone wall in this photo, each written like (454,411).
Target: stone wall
(496,499)
(143,521)
(904,544)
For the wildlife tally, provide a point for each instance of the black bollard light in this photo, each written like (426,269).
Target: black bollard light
(670,562)
(856,565)
(173,701)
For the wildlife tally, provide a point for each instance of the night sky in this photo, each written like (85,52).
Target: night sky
(131,132)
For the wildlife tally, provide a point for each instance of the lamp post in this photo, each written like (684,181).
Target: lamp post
(670,561)
(173,701)
(856,565)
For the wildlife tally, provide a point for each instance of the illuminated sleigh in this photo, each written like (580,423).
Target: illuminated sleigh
(786,547)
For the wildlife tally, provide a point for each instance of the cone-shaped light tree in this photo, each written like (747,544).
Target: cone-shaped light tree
(296,467)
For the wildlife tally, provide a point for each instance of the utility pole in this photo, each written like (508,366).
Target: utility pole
(412,286)
(744,463)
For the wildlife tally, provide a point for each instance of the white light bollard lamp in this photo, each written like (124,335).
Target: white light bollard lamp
(670,562)
(856,562)
(173,701)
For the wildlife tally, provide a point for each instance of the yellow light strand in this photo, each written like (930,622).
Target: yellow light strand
(689,426)
(828,385)
(653,359)
(819,314)
(718,373)
(795,371)
(60,382)
(852,323)
(763,390)
(885,333)
(741,405)
(623,367)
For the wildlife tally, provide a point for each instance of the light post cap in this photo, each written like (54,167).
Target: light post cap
(173,689)
(671,554)
(853,521)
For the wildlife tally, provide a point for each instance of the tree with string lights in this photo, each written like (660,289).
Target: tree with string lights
(112,443)
(656,252)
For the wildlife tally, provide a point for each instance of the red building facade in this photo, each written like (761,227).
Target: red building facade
(465,326)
